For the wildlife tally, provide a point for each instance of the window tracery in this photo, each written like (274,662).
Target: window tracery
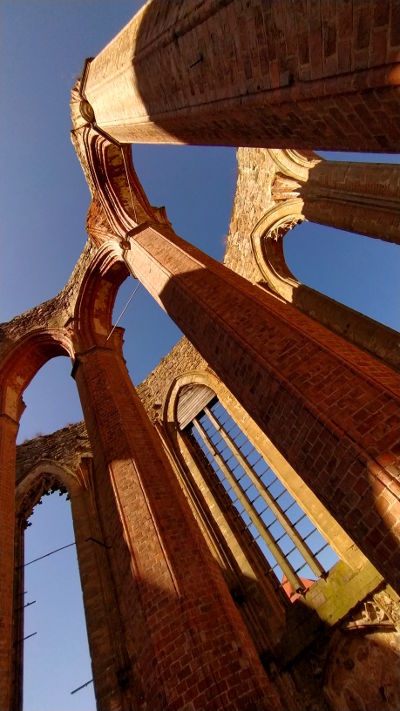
(296,552)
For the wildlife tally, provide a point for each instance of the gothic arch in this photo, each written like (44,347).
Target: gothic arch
(21,362)
(267,244)
(94,307)
(204,377)
(267,247)
(312,506)
(43,476)
(214,517)
(93,560)
(24,360)
(109,171)
(115,181)
(244,568)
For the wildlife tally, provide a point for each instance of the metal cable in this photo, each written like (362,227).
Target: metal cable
(123,311)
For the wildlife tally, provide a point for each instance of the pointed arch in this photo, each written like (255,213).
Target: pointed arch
(267,244)
(24,359)
(267,247)
(94,307)
(75,475)
(45,475)
(288,476)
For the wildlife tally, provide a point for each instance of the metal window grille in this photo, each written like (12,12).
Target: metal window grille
(293,547)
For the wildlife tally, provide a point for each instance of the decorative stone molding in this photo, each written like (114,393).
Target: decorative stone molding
(119,201)
(266,240)
(389,605)
(45,478)
(370,615)
(293,163)
(24,360)
(95,302)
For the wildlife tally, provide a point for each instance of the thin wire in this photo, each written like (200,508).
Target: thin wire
(129,185)
(17,609)
(56,550)
(123,311)
(82,686)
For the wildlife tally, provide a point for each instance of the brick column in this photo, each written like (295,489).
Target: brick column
(8,433)
(358,197)
(250,73)
(186,643)
(330,408)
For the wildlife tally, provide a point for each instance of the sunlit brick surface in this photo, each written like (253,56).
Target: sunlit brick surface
(242,72)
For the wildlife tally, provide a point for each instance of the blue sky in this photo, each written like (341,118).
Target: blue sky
(44,200)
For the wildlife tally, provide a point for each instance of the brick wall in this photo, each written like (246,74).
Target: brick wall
(242,72)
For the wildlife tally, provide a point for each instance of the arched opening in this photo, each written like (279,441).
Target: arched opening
(51,401)
(197,184)
(52,638)
(149,332)
(332,276)
(358,272)
(56,657)
(201,184)
(21,359)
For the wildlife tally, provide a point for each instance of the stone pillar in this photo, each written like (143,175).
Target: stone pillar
(186,643)
(357,197)
(8,433)
(331,409)
(229,72)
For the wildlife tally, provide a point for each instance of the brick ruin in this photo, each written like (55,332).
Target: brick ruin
(194,603)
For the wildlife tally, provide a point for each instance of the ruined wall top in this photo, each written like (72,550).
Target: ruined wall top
(65,447)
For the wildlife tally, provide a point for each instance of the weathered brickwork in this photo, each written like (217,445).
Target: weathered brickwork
(253,197)
(66,448)
(299,629)
(182,610)
(309,373)
(166,626)
(242,72)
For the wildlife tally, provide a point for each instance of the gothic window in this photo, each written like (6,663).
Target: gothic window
(293,547)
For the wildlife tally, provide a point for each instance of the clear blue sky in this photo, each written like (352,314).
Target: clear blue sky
(44,200)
